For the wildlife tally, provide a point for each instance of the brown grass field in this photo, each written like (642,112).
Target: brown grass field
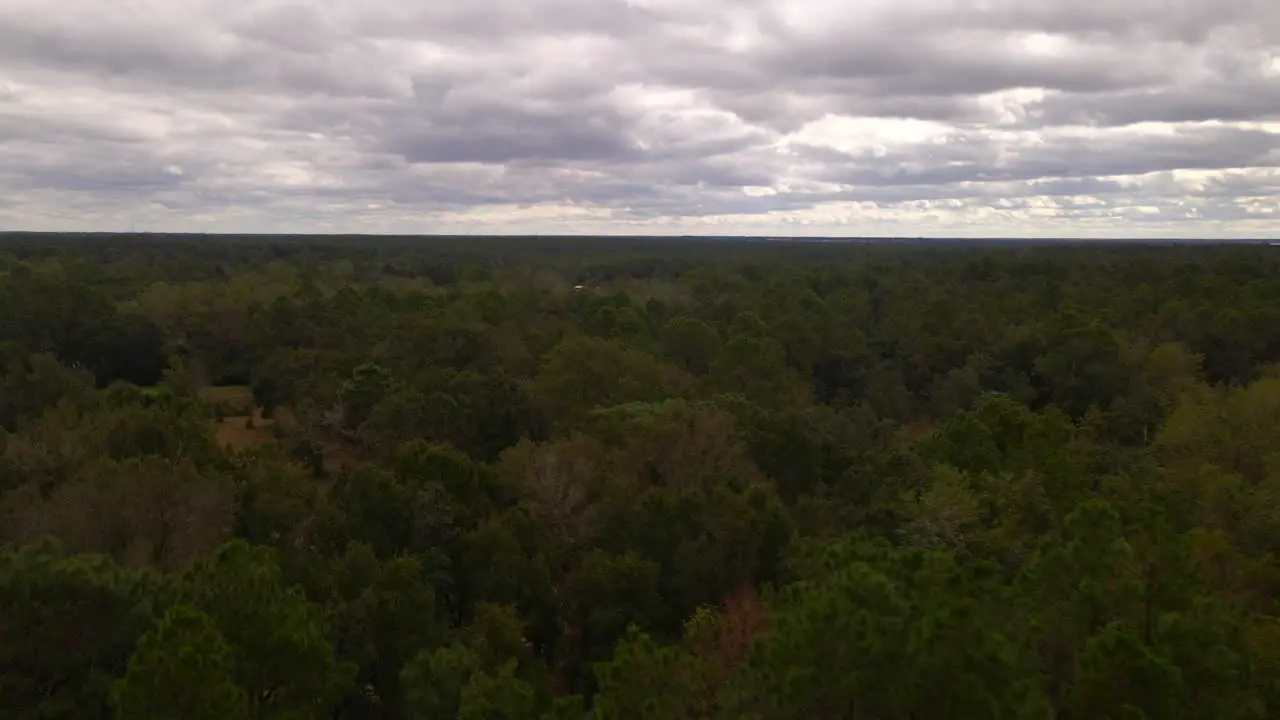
(232,431)
(237,404)
(237,399)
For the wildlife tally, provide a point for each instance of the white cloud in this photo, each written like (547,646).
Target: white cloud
(902,117)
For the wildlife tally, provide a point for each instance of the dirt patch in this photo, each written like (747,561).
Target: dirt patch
(232,399)
(238,433)
(235,431)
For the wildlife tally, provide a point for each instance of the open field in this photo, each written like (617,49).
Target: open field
(235,431)
(241,424)
(235,399)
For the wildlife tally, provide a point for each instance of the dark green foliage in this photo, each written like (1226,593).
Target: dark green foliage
(643,681)
(67,626)
(434,681)
(719,481)
(383,614)
(283,656)
(180,669)
(911,632)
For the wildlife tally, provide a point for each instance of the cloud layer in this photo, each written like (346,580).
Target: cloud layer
(899,117)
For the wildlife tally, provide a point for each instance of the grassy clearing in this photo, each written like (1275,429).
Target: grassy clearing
(235,432)
(235,399)
(242,425)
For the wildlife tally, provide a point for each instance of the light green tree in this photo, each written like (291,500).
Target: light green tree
(182,668)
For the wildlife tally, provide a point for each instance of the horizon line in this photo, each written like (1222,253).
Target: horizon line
(655,236)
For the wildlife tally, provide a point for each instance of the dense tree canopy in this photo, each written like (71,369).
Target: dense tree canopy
(558,479)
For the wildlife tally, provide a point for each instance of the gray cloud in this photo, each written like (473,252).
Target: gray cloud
(977,158)
(1254,98)
(1008,116)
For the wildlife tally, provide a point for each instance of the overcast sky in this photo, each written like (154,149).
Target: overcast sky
(867,117)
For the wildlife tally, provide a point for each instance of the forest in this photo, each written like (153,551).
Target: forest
(637,479)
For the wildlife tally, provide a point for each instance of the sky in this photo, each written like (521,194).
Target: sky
(934,118)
